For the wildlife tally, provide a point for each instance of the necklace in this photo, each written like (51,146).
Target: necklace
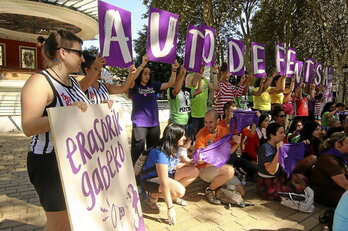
(67,83)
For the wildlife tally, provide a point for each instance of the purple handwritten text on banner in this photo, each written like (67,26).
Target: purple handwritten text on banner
(235,56)
(115,35)
(308,70)
(290,62)
(209,46)
(162,35)
(258,59)
(194,48)
(280,52)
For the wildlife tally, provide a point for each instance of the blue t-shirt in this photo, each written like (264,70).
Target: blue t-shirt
(157,157)
(266,154)
(340,222)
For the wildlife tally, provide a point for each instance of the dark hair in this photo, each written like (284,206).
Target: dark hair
(262,118)
(330,142)
(332,131)
(340,105)
(257,82)
(293,125)
(138,80)
(89,60)
(275,79)
(223,67)
(308,128)
(56,40)
(276,110)
(272,129)
(327,107)
(228,105)
(171,135)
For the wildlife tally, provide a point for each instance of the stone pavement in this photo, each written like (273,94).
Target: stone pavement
(20,208)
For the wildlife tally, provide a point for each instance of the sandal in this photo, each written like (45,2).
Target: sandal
(180,201)
(152,202)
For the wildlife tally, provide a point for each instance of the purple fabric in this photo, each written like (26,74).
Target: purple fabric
(298,73)
(217,153)
(290,62)
(308,70)
(325,76)
(242,119)
(194,48)
(258,59)
(335,152)
(290,155)
(318,73)
(280,58)
(209,46)
(145,107)
(162,35)
(235,56)
(115,35)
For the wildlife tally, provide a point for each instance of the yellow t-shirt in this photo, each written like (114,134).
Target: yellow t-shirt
(262,102)
(277,98)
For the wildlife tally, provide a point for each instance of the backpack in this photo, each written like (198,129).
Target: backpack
(139,164)
(228,196)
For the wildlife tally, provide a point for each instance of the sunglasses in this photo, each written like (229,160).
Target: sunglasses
(78,52)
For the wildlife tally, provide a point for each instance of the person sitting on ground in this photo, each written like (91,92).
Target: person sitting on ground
(311,135)
(329,178)
(271,176)
(294,133)
(278,115)
(210,133)
(165,180)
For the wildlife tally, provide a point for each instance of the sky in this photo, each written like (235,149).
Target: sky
(136,8)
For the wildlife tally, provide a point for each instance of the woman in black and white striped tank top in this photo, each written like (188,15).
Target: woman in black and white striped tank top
(100,92)
(52,87)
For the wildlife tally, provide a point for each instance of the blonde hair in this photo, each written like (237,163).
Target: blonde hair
(330,142)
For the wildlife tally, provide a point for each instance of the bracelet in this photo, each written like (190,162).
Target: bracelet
(171,207)
(173,70)
(97,70)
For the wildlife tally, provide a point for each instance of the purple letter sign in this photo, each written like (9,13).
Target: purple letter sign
(194,48)
(318,73)
(290,62)
(298,72)
(209,46)
(235,56)
(258,59)
(115,35)
(308,70)
(280,58)
(162,35)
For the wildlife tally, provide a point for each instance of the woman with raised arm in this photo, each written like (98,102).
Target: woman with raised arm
(52,87)
(146,127)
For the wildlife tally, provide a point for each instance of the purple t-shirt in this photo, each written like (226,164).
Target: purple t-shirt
(145,108)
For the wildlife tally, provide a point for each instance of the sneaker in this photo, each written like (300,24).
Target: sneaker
(209,194)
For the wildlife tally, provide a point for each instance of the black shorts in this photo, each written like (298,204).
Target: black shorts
(44,175)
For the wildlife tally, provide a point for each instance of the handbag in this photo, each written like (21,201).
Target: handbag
(300,202)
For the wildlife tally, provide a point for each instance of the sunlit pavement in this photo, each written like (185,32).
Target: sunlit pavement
(20,208)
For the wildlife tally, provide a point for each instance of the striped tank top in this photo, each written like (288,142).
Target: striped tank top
(97,95)
(63,95)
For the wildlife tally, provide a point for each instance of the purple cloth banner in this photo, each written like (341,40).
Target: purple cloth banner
(115,35)
(242,119)
(235,56)
(290,62)
(298,73)
(217,153)
(162,35)
(194,48)
(318,73)
(280,52)
(258,59)
(308,70)
(209,45)
(325,76)
(290,155)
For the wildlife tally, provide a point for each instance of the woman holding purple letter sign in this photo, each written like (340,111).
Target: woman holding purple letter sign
(145,109)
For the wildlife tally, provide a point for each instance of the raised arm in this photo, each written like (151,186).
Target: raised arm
(291,88)
(215,85)
(144,61)
(272,167)
(172,79)
(93,74)
(115,89)
(179,81)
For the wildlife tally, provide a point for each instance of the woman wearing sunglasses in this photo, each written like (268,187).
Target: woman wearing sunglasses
(52,87)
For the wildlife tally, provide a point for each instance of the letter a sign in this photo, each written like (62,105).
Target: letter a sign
(115,35)
(162,35)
